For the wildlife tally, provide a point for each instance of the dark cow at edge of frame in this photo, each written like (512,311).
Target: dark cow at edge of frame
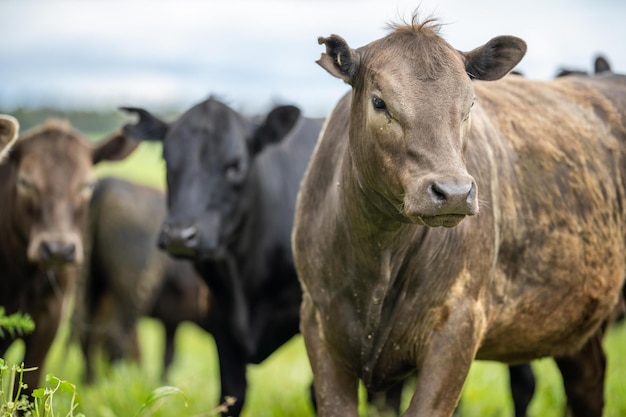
(125,276)
(231,191)
(45,186)
(443,217)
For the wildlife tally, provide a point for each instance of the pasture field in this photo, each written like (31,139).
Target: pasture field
(279,387)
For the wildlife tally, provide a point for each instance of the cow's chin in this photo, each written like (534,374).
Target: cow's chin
(444,220)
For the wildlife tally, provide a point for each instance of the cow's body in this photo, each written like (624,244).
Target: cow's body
(45,187)
(9,129)
(232,187)
(386,296)
(125,276)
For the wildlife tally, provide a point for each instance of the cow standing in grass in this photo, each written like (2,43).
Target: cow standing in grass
(45,186)
(126,277)
(444,219)
(231,192)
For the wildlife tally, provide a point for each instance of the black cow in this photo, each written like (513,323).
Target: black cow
(232,186)
(125,277)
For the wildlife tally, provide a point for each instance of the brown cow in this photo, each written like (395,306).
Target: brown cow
(125,276)
(414,145)
(45,186)
(9,128)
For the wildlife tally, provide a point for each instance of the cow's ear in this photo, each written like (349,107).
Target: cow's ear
(339,59)
(9,128)
(115,148)
(275,127)
(495,59)
(601,64)
(148,127)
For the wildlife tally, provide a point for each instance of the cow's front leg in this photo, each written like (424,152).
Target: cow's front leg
(233,362)
(447,356)
(336,390)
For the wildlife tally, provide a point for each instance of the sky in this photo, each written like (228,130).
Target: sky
(171,54)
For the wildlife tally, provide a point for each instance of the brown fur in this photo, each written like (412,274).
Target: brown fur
(384,294)
(44,187)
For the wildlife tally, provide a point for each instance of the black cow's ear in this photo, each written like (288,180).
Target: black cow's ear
(339,59)
(148,127)
(114,148)
(601,64)
(495,59)
(275,127)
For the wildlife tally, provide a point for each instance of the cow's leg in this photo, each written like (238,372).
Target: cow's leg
(37,344)
(522,382)
(85,339)
(233,363)
(583,378)
(388,401)
(336,390)
(448,355)
(170,339)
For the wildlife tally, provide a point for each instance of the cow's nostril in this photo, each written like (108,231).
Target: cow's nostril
(444,191)
(179,238)
(189,234)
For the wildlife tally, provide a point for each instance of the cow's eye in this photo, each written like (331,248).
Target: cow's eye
(379,103)
(24,184)
(234,171)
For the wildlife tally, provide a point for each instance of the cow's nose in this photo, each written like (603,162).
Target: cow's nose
(179,239)
(454,197)
(57,251)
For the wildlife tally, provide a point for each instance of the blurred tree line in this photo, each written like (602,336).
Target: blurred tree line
(86,121)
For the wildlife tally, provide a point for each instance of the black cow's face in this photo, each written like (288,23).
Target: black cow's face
(208,159)
(208,153)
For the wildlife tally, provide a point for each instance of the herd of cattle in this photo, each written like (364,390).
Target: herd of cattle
(442,211)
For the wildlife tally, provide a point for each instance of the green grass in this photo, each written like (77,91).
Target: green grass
(279,386)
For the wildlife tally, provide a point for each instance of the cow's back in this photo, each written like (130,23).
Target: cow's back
(549,162)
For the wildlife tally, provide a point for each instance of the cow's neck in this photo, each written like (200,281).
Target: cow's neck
(382,257)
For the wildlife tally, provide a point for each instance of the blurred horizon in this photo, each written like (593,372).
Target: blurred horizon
(167,55)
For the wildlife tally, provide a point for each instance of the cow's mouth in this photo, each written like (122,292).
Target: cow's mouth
(443,220)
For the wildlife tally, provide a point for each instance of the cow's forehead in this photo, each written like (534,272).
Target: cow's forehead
(55,159)
(208,133)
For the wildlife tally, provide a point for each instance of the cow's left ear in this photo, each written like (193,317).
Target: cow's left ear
(339,60)
(115,148)
(9,127)
(275,127)
(495,59)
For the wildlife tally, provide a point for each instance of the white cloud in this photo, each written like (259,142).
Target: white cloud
(179,51)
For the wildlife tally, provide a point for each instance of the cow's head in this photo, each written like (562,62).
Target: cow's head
(208,154)
(412,98)
(51,172)
(9,127)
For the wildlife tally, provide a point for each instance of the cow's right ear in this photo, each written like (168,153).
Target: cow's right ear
(148,127)
(339,59)
(9,128)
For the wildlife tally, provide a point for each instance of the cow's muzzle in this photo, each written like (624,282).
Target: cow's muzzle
(57,252)
(181,240)
(443,202)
